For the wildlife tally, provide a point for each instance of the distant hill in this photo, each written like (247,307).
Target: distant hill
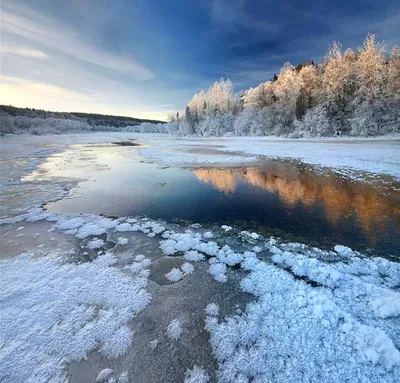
(91,119)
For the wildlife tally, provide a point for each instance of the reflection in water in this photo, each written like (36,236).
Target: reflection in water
(296,185)
(276,198)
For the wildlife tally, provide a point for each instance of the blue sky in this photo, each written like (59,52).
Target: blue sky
(145,58)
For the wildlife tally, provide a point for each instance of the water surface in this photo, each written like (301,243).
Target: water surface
(292,200)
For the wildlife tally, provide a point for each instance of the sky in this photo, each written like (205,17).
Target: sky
(146,58)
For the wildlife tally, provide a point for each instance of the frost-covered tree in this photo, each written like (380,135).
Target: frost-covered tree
(314,123)
(393,85)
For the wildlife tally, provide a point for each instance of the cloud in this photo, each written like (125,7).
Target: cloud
(56,37)
(23,51)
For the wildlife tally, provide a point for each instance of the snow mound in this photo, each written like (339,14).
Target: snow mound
(53,314)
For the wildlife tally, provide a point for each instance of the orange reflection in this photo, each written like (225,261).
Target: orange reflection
(340,199)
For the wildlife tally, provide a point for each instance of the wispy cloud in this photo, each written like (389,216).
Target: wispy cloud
(56,37)
(23,51)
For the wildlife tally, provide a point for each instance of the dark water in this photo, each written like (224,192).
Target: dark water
(278,198)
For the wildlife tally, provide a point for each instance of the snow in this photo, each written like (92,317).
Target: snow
(345,155)
(53,314)
(174,329)
(196,375)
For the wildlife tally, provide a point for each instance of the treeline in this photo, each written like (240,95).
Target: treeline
(38,121)
(350,93)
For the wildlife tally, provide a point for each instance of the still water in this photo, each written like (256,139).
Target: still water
(291,200)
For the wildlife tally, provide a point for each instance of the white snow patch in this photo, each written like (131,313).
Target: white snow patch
(53,314)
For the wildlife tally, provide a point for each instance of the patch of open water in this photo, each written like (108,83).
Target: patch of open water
(291,200)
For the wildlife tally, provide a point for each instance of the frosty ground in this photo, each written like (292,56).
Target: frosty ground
(129,299)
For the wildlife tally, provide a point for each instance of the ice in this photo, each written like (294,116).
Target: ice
(53,314)
(95,244)
(386,307)
(104,375)
(212,309)
(295,326)
(349,155)
(196,375)
(123,241)
(174,275)
(194,256)
(187,268)
(174,329)
(226,228)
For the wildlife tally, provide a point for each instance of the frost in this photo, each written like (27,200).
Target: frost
(222,278)
(208,234)
(187,268)
(72,223)
(123,378)
(174,329)
(124,227)
(226,228)
(90,229)
(196,375)
(95,244)
(53,314)
(104,375)
(294,326)
(194,256)
(217,268)
(386,307)
(122,240)
(212,309)
(174,275)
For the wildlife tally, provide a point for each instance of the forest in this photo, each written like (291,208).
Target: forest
(38,121)
(350,93)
